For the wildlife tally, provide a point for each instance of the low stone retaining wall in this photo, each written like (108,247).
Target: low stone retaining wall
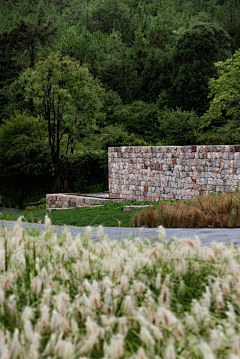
(71,200)
(133,208)
(172,172)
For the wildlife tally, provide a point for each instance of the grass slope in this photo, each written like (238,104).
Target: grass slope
(109,215)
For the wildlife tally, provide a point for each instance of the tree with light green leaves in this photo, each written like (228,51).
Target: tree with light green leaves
(224,94)
(69,100)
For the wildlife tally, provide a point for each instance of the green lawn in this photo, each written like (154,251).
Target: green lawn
(84,217)
(109,215)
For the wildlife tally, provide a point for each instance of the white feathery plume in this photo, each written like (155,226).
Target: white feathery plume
(12,303)
(235,345)
(28,330)
(89,343)
(74,250)
(158,281)
(16,348)
(88,232)
(50,345)
(108,297)
(216,339)
(32,352)
(47,223)
(68,350)
(146,337)
(139,287)
(46,296)
(5,353)
(8,281)
(128,306)
(141,354)
(69,238)
(100,232)
(115,349)
(87,286)
(44,276)
(37,285)
(55,321)
(2,296)
(95,300)
(2,260)
(124,285)
(205,301)
(161,232)
(191,323)
(231,314)
(206,351)
(45,316)
(122,326)
(58,349)
(79,268)
(164,298)
(158,335)
(169,352)
(91,327)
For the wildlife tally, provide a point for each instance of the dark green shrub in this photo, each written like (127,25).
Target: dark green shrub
(179,127)
(33,208)
(13,201)
(88,171)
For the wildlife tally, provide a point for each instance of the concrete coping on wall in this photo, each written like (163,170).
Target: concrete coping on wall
(133,208)
(183,149)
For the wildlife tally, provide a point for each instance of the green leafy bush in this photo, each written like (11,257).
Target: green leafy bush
(34,208)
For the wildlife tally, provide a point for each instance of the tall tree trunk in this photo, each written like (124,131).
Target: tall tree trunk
(58,182)
(58,170)
(65,186)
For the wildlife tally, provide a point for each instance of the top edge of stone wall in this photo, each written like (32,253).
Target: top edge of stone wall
(204,148)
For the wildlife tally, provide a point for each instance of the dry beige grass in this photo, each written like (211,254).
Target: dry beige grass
(215,210)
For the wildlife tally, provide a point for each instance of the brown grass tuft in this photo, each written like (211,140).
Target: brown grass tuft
(215,210)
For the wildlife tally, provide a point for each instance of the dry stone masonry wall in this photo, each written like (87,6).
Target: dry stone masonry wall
(174,172)
(60,200)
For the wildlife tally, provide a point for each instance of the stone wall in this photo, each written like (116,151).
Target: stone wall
(173,172)
(64,200)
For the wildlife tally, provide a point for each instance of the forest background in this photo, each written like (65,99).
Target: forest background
(78,76)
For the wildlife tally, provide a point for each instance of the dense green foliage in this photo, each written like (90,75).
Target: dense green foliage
(225,93)
(90,74)
(68,99)
(196,51)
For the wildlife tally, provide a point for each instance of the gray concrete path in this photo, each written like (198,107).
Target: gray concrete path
(206,235)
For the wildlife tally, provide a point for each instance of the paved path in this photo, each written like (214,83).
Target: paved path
(207,235)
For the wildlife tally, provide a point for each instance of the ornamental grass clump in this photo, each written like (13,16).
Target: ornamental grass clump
(71,298)
(215,210)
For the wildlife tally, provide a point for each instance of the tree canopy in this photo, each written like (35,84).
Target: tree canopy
(224,93)
(96,73)
(24,155)
(196,51)
(68,99)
